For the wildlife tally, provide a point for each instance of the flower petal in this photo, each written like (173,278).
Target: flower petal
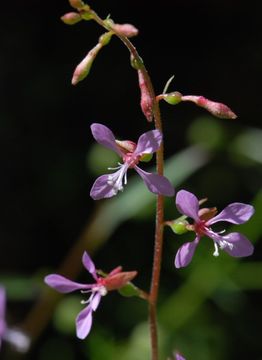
(148,142)
(238,244)
(2,303)
(84,318)
(63,285)
(187,204)
(89,265)
(95,301)
(179,357)
(101,189)
(235,213)
(155,183)
(104,136)
(185,253)
(84,322)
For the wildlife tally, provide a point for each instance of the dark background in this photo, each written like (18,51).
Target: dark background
(213,48)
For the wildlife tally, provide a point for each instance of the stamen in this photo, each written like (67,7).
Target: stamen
(216,252)
(224,243)
(116,179)
(221,232)
(115,168)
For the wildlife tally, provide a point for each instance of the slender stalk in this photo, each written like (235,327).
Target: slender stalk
(158,244)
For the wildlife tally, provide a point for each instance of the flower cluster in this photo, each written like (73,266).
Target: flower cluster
(110,184)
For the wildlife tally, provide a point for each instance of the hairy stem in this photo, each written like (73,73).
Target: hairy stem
(158,245)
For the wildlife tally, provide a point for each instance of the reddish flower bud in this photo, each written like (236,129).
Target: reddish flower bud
(146,101)
(71,18)
(118,280)
(82,69)
(215,108)
(76,4)
(127,30)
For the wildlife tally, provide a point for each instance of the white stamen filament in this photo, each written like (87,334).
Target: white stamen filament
(223,244)
(115,168)
(216,252)
(116,180)
(99,288)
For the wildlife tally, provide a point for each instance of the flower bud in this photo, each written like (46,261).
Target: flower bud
(127,30)
(172,98)
(82,69)
(146,101)
(118,280)
(215,108)
(71,18)
(76,4)
(178,226)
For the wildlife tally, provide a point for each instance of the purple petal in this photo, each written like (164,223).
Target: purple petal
(2,303)
(84,322)
(185,253)
(149,142)
(235,244)
(84,318)
(95,301)
(157,184)
(63,285)
(101,189)
(187,204)
(179,357)
(236,213)
(89,265)
(104,136)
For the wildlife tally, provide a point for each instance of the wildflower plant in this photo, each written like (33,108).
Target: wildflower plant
(132,156)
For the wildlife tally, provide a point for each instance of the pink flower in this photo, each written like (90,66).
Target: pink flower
(235,244)
(108,185)
(114,280)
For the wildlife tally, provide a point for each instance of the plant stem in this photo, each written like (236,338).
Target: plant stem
(158,244)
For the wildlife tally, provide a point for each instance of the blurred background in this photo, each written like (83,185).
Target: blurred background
(210,310)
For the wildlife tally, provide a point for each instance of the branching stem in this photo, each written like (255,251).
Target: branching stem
(158,245)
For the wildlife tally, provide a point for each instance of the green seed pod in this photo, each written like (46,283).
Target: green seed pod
(173,98)
(179,227)
(146,157)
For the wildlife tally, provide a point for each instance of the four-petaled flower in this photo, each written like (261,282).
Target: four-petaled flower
(114,280)
(2,313)
(108,185)
(235,244)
